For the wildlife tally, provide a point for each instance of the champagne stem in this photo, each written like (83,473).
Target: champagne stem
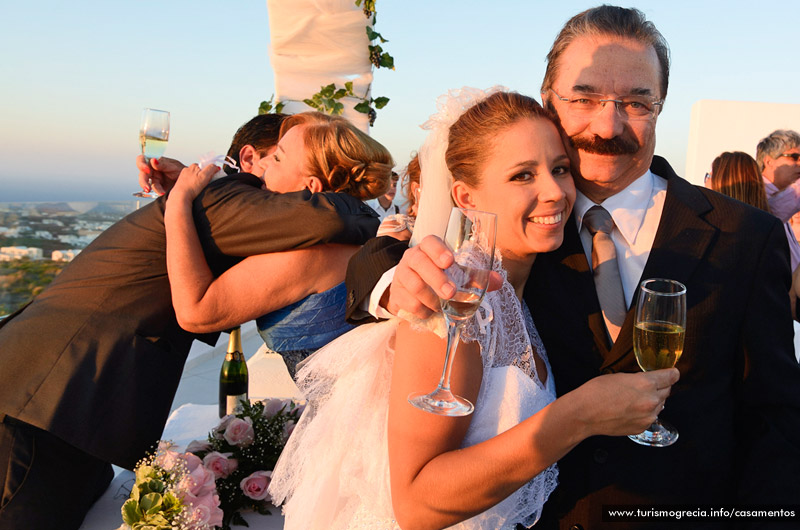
(453,334)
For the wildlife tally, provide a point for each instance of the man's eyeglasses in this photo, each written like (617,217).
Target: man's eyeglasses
(706,178)
(629,107)
(793,156)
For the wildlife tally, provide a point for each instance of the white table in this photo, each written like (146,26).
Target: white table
(192,421)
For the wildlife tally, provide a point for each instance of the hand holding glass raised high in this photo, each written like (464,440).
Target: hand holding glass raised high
(471,236)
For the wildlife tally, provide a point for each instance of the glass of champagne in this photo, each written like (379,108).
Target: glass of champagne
(658,333)
(471,236)
(153,137)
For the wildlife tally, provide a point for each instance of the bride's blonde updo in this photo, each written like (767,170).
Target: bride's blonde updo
(344,158)
(470,137)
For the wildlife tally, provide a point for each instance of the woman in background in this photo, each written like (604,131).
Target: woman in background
(401,225)
(736,175)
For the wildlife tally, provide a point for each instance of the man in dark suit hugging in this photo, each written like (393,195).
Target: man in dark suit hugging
(89,369)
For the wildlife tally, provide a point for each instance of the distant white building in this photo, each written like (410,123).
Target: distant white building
(12,253)
(65,255)
(76,241)
(43,234)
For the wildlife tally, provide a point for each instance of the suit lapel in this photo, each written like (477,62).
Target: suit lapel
(681,242)
(576,286)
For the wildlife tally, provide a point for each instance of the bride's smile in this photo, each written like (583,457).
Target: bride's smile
(548,220)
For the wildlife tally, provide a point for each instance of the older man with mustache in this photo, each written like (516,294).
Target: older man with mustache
(736,405)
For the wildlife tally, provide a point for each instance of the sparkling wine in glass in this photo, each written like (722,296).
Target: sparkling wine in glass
(471,236)
(153,137)
(658,333)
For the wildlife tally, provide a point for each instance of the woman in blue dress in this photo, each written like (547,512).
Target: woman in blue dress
(298,298)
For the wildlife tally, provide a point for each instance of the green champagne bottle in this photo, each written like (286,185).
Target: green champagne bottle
(233,378)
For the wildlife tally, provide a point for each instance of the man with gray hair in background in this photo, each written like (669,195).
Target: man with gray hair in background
(778,157)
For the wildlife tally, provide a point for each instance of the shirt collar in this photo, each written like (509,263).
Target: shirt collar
(770,188)
(627,208)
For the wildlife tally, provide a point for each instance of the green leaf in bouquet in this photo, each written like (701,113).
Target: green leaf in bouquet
(131,512)
(237,519)
(349,87)
(311,103)
(144,473)
(151,503)
(338,108)
(362,107)
(155,522)
(156,485)
(380,102)
(279,107)
(171,503)
(339,94)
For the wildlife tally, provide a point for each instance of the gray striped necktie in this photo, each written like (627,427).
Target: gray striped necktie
(605,268)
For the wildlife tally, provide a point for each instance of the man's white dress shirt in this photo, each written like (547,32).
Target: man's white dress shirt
(636,211)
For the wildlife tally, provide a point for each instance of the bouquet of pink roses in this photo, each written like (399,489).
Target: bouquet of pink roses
(172,490)
(209,484)
(242,451)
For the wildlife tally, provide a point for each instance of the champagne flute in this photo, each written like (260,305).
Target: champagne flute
(658,335)
(153,136)
(471,236)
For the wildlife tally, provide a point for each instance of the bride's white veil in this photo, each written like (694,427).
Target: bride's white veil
(435,179)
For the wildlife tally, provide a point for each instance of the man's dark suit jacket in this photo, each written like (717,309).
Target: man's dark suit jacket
(737,404)
(96,358)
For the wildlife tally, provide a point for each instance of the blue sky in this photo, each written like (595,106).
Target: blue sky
(74,76)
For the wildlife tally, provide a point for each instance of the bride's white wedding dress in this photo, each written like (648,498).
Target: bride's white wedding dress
(334,471)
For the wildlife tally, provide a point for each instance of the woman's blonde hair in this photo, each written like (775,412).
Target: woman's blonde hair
(736,175)
(344,158)
(471,135)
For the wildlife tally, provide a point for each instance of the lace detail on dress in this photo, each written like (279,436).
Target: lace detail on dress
(511,392)
(334,471)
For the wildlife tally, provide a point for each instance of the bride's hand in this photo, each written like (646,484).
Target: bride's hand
(623,403)
(420,280)
(192,180)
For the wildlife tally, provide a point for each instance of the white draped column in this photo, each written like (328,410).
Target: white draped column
(315,43)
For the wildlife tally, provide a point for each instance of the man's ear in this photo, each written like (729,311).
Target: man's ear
(313,184)
(463,196)
(246,156)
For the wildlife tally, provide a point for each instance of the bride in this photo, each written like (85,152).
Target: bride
(364,457)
